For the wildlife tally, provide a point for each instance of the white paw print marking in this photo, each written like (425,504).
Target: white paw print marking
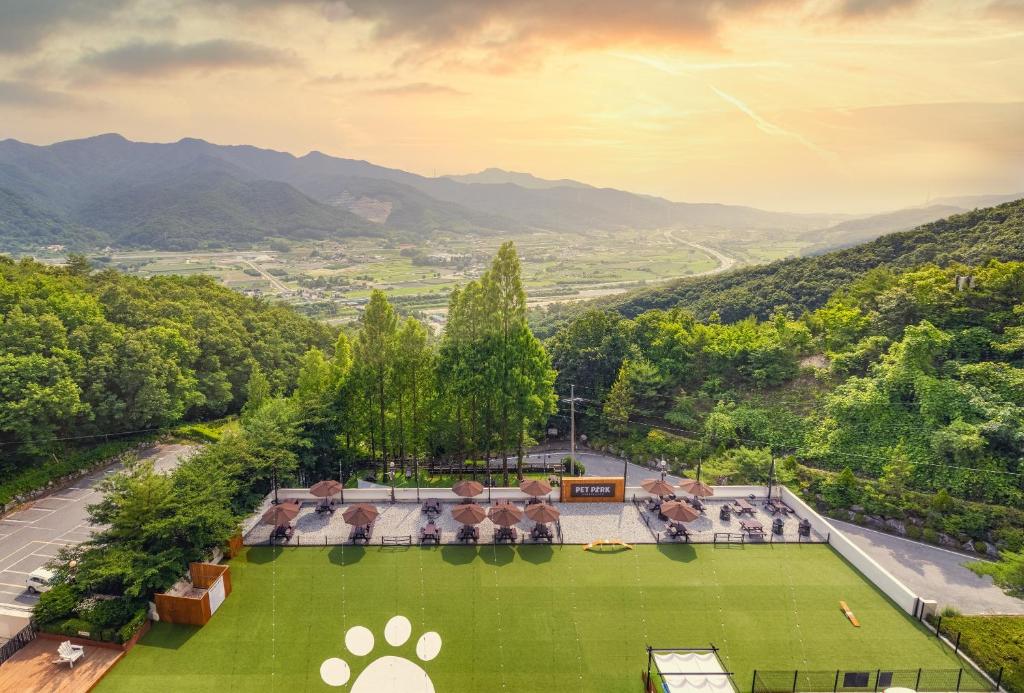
(387,674)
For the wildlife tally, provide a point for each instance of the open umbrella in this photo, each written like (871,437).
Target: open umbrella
(542,512)
(696,488)
(677,511)
(467,488)
(281,514)
(657,487)
(535,487)
(505,514)
(469,514)
(360,514)
(325,488)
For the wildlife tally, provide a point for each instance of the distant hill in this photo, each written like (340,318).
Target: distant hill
(146,194)
(805,283)
(24,226)
(863,229)
(497,176)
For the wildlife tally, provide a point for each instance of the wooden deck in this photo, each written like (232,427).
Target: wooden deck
(32,669)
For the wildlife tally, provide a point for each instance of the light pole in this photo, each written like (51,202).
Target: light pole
(391,473)
(275,501)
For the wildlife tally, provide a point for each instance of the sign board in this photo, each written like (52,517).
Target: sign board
(593,489)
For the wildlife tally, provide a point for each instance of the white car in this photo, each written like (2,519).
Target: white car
(39,580)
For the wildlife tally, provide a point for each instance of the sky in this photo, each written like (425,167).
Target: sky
(797,105)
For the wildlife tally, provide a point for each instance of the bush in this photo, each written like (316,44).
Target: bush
(113,613)
(74,626)
(914,532)
(994,642)
(55,605)
(132,627)
(981,547)
(930,535)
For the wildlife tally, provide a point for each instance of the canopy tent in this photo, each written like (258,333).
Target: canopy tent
(696,671)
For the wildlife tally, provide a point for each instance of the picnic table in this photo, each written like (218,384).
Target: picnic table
(744,508)
(468,533)
(430,534)
(541,531)
(327,506)
(283,532)
(775,506)
(505,534)
(752,527)
(695,504)
(677,530)
(362,534)
(432,506)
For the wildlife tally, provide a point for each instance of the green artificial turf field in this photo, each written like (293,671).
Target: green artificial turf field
(530,618)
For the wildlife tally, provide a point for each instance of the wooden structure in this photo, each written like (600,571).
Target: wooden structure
(849,614)
(234,546)
(194,604)
(606,542)
(593,489)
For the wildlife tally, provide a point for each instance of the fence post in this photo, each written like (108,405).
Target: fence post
(878,672)
(753,682)
(835,686)
(938,628)
(918,684)
(999,678)
(796,672)
(956,648)
(959,676)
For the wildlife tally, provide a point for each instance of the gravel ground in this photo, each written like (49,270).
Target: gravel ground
(581,523)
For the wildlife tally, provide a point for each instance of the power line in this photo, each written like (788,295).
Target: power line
(66,438)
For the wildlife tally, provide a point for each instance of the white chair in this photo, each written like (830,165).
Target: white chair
(69,653)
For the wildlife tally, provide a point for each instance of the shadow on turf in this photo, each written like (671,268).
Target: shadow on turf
(169,636)
(683,553)
(536,553)
(458,555)
(263,554)
(346,555)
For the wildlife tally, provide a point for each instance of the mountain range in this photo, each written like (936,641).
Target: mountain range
(107,190)
(191,193)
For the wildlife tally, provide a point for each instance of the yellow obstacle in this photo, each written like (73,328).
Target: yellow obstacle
(849,614)
(606,542)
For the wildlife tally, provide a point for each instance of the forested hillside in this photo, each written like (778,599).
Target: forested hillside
(903,387)
(800,284)
(85,353)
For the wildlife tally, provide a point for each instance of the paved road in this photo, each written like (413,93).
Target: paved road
(933,572)
(30,538)
(602,464)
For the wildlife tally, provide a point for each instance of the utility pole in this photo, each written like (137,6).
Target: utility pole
(771,475)
(341,478)
(572,429)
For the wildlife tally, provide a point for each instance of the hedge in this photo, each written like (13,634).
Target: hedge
(993,642)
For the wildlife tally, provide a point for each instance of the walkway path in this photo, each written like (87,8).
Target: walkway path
(933,572)
(31,537)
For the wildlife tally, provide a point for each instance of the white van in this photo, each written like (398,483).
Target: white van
(39,580)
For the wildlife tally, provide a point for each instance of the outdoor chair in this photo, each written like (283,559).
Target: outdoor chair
(66,652)
(725,514)
(804,529)
(778,526)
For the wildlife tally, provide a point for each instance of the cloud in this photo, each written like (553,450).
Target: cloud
(1006,9)
(24,24)
(416,89)
(21,94)
(765,125)
(856,9)
(162,58)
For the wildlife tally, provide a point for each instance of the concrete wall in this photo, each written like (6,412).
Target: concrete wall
(879,576)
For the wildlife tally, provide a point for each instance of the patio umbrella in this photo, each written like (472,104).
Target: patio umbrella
(677,511)
(535,487)
(542,512)
(470,514)
(360,514)
(657,487)
(467,488)
(281,514)
(505,514)
(696,488)
(325,488)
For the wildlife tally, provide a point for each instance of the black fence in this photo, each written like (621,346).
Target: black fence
(933,680)
(21,638)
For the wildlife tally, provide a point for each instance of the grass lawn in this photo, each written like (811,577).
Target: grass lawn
(533,618)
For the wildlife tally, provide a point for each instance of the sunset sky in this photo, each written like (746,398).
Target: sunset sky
(803,105)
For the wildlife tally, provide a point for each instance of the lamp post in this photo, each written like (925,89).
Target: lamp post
(572,428)
(275,501)
(391,473)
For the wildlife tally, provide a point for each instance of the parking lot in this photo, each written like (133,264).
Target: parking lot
(32,536)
